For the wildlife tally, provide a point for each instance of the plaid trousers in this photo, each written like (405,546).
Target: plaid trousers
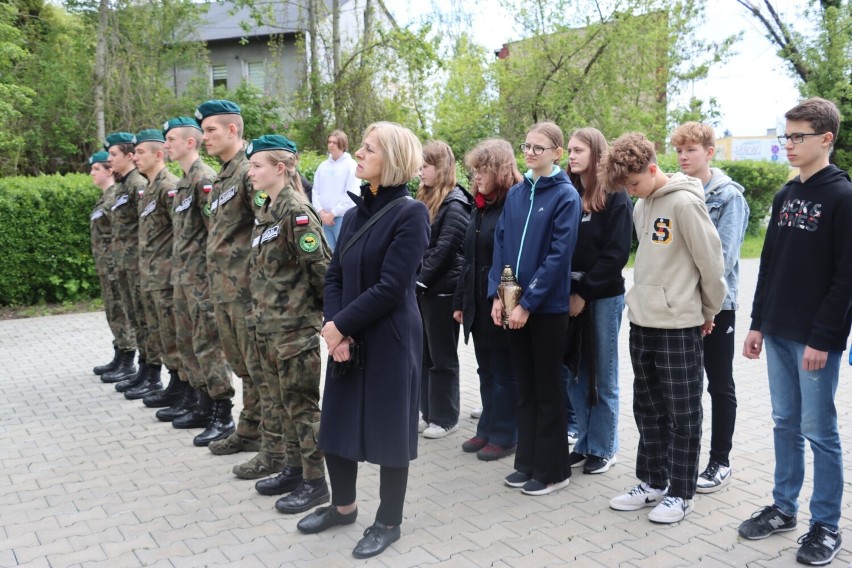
(668,368)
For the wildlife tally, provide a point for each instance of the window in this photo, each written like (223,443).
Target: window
(256,74)
(219,74)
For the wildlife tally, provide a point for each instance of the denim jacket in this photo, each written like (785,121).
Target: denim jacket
(729,212)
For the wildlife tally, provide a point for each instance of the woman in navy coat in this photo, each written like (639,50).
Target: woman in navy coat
(370,410)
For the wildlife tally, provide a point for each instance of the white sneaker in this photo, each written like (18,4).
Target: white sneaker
(643,495)
(422,425)
(477,413)
(434,431)
(715,477)
(670,510)
(572,438)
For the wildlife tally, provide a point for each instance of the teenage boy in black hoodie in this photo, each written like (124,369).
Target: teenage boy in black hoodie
(803,311)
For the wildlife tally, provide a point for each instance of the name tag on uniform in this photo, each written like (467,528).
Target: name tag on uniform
(148,209)
(270,233)
(120,201)
(227,196)
(255,241)
(97,214)
(184,205)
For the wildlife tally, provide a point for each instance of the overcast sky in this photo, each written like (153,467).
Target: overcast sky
(753,89)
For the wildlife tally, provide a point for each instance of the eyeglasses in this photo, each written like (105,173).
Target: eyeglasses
(798,137)
(536,150)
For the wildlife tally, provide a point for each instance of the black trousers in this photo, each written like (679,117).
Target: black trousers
(536,351)
(393,481)
(719,366)
(439,385)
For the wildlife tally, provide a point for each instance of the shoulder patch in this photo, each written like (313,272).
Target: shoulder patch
(302,219)
(207,187)
(260,198)
(309,242)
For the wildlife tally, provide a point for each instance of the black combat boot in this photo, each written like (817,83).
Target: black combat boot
(125,369)
(167,397)
(221,424)
(184,405)
(112,365)
(136,379)
(151,384)
(199,416)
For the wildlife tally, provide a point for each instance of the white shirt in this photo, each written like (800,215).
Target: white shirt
(332,180)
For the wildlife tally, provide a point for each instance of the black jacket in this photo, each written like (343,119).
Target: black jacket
(444,258)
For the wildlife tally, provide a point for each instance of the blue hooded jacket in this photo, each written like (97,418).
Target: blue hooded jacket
(536,236)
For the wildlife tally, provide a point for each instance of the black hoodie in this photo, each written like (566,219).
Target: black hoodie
(804,287)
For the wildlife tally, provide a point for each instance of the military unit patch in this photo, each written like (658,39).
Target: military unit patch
(309,242)
(302,219)
(148,209)
(207,210)
(120,201)
(227,196)
(97,214)
(184,205)
(270,233)
(260,198)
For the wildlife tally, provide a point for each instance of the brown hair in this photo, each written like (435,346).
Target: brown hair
(290,161)
(822,114)
(497,157)
(225,119)
(631,153)
(551,131)
(402,153)
(440,155)
(341,138)
(594,196)
(694,132)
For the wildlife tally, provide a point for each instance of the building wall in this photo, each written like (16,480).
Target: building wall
(760,148)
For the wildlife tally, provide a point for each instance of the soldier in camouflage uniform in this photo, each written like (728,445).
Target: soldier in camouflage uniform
(203,365)
(155,263)
(101,233)
(124,220)
(289,261)
(231,212)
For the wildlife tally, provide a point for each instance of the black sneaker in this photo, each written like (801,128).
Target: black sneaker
(819,546)
(595,464)
(517,479)
(765,522)
(576,460)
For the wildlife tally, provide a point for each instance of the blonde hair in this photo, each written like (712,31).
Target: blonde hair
(341,139)
(594,196)
(402,154)
(694,132)
(631,153)
(290,161)
(225,119)
(439,155)
(496,157)
(552,132)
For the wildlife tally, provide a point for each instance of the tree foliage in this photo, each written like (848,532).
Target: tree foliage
(15,98)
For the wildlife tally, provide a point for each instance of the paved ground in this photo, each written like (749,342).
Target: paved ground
(91,479)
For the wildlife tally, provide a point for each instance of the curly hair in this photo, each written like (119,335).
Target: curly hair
(630,153)
(496,157)
(694,132)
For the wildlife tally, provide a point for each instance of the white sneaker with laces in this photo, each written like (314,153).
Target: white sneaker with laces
(434,431)
(643,495)
(715,477)
(670,510)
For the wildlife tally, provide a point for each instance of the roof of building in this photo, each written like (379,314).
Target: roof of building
(224,20)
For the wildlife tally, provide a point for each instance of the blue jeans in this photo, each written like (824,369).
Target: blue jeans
(332,232)
(803,408)
(597,426)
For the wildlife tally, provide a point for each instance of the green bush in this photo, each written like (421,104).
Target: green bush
(45,239)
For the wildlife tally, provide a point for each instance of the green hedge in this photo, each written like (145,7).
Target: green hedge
(45,239)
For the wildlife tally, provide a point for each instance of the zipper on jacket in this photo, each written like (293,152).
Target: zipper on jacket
(526,224)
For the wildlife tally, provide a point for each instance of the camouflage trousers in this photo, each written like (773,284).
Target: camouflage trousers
(202,360)
(291,362)
(130,292)
(273,439)
(116,317)
(160,315)
(242,357)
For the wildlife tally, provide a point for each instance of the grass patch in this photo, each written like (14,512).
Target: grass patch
(18,312)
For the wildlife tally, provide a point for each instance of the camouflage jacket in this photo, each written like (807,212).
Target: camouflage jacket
(124,217)
(155,232)
(189,259)
(289,257)
(231,211)
(101,231)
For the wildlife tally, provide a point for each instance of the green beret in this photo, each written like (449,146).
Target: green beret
(179,122)
(214,107)
(119,138)
(150,135)
(98,158)
(270,142)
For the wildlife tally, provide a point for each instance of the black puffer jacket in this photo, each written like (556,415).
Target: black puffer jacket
(443,261)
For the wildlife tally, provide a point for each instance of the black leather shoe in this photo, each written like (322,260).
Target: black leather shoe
(134,381)
(112,365)
(169,396)
(376,539)
(221,424)
(323,518)
(285,482)
(308,495)
(151,384)
(199,416)
(188,401)
(125,369)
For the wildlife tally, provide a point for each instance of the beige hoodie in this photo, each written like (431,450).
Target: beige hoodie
(678,277)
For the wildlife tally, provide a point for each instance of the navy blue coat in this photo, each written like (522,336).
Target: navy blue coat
(372,414)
